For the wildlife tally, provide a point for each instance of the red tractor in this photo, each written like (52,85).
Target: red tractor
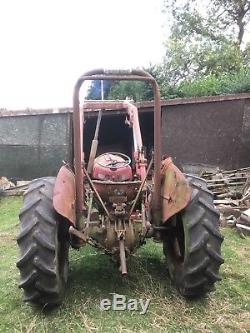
(115,203)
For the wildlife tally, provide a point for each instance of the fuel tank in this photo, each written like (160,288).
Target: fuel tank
(112,167)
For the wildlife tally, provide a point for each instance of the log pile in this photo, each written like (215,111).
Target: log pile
(231,197)
(8,188)
(243,223)
(5,184)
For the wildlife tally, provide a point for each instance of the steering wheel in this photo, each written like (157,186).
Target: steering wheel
(112,162)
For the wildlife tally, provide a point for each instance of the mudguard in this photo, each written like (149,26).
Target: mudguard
(175,190)
(65,194)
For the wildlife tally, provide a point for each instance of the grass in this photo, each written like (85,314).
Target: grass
(93,277)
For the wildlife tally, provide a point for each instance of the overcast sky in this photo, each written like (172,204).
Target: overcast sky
(47,44)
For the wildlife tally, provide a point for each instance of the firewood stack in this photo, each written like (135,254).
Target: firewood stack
(8,188)
(231,196)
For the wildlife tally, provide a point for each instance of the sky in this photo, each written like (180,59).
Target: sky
(47,44)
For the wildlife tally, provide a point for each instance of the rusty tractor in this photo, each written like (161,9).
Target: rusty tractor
(115,202)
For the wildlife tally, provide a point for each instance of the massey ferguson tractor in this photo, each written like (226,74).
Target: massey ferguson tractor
(115,202)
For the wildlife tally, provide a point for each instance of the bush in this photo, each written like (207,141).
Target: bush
(229,83)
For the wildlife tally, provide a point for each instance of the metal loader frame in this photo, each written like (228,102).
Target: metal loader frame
(78,120)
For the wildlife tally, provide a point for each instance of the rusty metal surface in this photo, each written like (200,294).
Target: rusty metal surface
(141,187)
(207,134)
(112,166)
(101,74)
(78,234)
(126,189)
(123,267)
(65,194)
(196,100)
(132,120)
(244,151)
(94,144)
(91,183)
(100,104)
(200,134)
(140,105)
(176,192)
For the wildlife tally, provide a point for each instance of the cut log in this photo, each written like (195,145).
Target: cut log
(243,228)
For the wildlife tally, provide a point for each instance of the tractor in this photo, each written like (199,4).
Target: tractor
(115,202)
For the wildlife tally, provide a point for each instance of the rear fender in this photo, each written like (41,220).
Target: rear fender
(175,189)
(65,194)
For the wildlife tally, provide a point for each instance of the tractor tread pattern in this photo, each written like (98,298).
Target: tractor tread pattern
(199,186)
(29,280)
(32,297)
(26,231)
(45,217)
(44,242)
(202,240)
(194,285)
(211,228)
(199,270)
(214,255)
(41,266)
(26,208)
(27,256)
(212,275)
(37,242)
(199,267)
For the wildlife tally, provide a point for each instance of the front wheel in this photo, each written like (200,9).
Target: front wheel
(192,244)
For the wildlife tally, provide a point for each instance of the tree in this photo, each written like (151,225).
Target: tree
(94,91)
(207,52)
(233,13)
(206,42)
(137,90)
(216,20)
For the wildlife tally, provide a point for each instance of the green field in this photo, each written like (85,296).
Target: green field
(93,277)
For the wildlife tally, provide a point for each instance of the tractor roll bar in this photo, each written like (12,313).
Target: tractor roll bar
(101,74)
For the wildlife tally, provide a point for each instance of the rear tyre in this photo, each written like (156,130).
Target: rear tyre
(192,244)
(43,244)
